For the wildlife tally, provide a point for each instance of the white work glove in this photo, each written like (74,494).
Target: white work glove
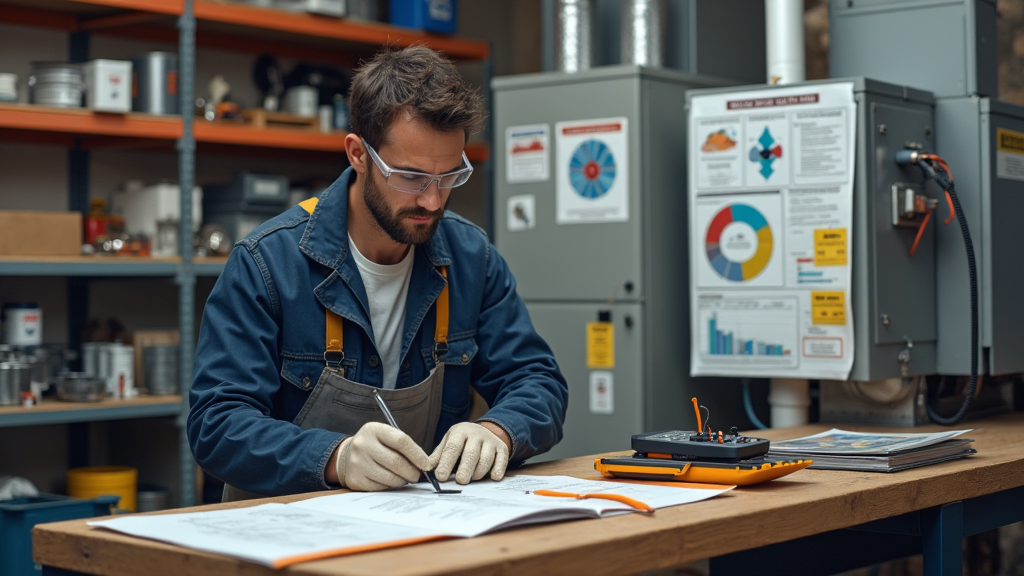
(479,450)
(379,457)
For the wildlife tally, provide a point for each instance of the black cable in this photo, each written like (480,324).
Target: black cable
(947,185)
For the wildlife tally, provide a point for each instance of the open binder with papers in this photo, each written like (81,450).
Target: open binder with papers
(279,535)
(838,449)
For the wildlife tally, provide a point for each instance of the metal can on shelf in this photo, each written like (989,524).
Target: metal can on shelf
(121,377)
(155,83)
(160,369)
(56,84)
(23,324)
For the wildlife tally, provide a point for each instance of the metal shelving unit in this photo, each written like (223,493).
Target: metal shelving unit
(188,24)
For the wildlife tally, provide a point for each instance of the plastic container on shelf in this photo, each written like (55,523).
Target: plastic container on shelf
(19,515)
(432,15)
(93,481)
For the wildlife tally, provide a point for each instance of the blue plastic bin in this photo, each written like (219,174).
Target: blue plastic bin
(432,15)
(19,515)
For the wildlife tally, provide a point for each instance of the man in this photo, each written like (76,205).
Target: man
(374,287)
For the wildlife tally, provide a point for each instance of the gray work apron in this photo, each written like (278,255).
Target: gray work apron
(341,405)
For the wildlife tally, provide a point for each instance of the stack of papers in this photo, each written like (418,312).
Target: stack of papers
(279,535)
(872,452)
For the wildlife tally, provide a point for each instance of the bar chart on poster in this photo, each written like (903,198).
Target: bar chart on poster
(759,331)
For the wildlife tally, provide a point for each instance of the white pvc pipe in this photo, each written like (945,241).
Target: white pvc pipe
(784,35)
(789,400)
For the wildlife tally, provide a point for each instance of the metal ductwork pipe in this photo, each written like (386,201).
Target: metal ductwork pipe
(784,32)
(643,32)
(574,35)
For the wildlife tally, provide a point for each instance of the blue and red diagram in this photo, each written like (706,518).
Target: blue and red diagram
(766,154)
(592,169)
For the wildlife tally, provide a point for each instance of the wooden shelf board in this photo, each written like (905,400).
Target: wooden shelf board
(57,412)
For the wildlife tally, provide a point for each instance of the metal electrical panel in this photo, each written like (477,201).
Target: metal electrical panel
(982,140)
(893,293)
(632,272)
(945,46)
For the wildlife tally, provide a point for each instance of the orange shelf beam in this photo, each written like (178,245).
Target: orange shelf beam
(173,7)
(369,34)
(88,122)
(242,135)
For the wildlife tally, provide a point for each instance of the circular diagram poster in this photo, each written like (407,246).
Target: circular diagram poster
(592,159)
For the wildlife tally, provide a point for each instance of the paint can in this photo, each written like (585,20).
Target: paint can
(23,324)
(155,83)
(56,84)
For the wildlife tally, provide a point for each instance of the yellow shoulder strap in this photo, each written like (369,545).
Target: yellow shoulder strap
(334,339)
(309,204)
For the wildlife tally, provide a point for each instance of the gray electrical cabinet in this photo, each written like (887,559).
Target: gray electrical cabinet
(631,271)
(945,46)
(893,293)
(982,140)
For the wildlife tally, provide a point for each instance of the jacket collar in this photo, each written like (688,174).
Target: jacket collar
(325,239)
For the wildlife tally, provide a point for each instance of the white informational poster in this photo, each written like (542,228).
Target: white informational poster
(527,154)
(771,224)
(593,181)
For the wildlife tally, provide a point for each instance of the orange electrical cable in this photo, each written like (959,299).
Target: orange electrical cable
(949,201)
(920,232)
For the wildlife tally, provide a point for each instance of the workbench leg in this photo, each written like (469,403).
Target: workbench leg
(942,539)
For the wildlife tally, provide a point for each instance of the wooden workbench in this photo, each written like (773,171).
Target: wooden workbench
(803,504)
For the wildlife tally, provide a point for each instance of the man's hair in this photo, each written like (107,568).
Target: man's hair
(414,79)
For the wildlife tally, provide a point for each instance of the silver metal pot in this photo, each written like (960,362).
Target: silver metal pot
(15,378)
(80,387)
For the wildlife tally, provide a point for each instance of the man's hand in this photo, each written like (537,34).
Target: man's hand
(378,457)
(479,448)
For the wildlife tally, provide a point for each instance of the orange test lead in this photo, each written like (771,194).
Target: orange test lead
(696,410)
(600,496)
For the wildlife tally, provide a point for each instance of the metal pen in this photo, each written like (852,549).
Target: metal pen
(391,421)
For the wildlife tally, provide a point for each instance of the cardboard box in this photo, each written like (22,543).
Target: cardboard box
(24,233)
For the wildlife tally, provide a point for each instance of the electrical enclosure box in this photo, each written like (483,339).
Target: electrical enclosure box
(982,140)
(893,293)
(634,269)
(945,46)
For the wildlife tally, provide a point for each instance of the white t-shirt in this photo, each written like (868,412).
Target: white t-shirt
(387,287)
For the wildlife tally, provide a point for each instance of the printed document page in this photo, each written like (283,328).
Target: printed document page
(270,534)
(278,535)
(487,505)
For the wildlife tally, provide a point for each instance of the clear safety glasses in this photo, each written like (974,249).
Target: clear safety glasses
(416,182)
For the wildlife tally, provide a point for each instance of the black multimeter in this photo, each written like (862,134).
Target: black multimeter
(690,445)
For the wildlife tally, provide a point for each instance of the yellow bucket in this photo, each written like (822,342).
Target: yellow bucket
(95,481)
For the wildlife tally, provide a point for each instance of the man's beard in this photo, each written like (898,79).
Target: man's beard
(392,222)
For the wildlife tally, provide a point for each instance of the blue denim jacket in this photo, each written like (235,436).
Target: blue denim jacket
(261,346)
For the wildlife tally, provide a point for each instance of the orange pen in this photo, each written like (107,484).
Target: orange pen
(696,409)
(600,496)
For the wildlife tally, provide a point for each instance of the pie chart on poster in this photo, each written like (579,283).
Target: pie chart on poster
(739,242)
(592,169)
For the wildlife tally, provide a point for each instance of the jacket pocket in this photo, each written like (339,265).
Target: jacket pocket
(303,370)
(455,400)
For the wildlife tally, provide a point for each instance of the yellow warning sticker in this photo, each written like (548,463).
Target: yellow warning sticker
(830,247)
(1010,141)
(828,308)
(600,345)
